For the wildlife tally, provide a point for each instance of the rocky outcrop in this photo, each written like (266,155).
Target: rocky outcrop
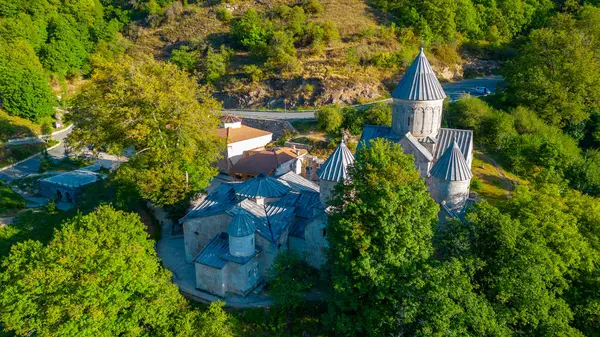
(294,93)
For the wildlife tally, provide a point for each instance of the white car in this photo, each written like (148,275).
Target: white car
(482,91)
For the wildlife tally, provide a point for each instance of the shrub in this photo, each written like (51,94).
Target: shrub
(185,58)
(223,14)
(330,118)
(253,32)
(254,73)
(216,64)
(330,32)
(313,6)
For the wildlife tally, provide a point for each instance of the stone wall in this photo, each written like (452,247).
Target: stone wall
(312,247)
(455,193)
(199,231)
(277,127)
(241,279)
(421,118)
(211,279)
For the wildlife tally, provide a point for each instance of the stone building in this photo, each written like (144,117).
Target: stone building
(233,236)
(442,156)
(66,187)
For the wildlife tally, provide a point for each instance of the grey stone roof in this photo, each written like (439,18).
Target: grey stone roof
(452,165)
(241,224)
(371,132)
(336,166)
(261,186)
(74,179)
(216,253)
(419,82)
(415,142)
(464,139)
(297,182)
(218,201)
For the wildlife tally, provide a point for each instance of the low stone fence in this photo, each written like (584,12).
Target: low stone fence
(277,127)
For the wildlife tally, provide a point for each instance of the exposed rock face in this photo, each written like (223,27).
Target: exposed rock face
(280,93)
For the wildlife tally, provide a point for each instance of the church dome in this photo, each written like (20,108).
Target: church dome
(336,166)
(452,165)
(419,82)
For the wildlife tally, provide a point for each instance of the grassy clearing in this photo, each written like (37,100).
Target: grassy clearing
(488,182)
(10,202)
(16,127)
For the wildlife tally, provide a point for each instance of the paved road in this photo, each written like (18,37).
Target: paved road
(33,165)
(454,90)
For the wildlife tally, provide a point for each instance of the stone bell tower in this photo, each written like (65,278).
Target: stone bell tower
(417,101)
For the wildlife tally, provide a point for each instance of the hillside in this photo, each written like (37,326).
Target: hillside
(338,51)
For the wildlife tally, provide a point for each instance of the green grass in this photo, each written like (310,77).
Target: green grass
(11,154)
(10,201)
(16,127)
(490,184)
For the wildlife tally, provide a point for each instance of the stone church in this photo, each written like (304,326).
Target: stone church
(234,234)
(443,156)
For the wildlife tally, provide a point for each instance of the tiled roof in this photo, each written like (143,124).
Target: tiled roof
(371,132)
(218,201)
(463,138)
(74,179)
(234,135)
(216,253)
(242,224)
(261,186)
(419,82)
(452,165)
(297,182)
(230,119)
(265,161)
(415,142)
(335,167)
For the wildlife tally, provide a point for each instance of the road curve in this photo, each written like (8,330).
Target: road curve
(454,90)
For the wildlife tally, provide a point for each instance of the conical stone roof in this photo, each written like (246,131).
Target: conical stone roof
(261,186)
(336,166)
(419,82)
(241,224)
(452,165)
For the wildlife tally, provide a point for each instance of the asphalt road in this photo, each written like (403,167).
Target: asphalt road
(33,165)
(454,90)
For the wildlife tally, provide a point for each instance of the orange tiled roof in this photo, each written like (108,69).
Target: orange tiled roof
(265,161)
(234,135)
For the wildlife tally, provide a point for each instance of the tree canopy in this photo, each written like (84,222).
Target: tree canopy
(379,231)
(158,110)
(98,276)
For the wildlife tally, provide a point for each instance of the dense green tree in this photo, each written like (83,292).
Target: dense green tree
(379,231)
(253,32)
(378,114)
(534,249)
(24,88)
(216,63)
(66,51)
(159,111)
(556,73)
(330,118)
(98,276)
(290,279)
(185,58)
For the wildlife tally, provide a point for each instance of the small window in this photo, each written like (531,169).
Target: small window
(408,124)
(324,232)
(252,241)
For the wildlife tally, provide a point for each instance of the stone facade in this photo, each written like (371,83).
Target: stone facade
(420,118)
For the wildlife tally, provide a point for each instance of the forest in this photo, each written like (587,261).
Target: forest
(528,265)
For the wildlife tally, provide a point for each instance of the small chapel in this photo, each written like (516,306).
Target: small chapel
(442,156)
(234,234)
